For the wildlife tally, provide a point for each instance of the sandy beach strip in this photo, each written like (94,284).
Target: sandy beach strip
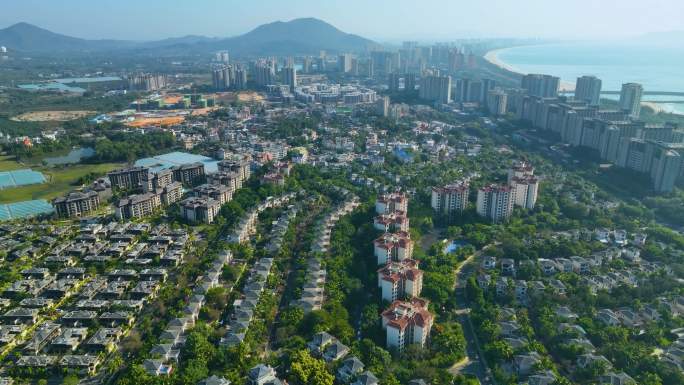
(655,107)
(493,57)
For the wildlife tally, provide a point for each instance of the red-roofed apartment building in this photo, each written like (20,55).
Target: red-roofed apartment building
(400,280)
(393,247)
(389,203)
(407,322)
(395,221)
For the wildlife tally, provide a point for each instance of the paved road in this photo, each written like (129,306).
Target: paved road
(475,362)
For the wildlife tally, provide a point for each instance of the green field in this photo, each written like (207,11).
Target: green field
(7,163)
(60,180)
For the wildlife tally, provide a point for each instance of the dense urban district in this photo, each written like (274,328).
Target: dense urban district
(413,216)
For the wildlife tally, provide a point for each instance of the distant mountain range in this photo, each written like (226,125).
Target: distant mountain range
(298,36)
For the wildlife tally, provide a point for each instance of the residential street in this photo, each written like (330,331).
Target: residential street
(475,363)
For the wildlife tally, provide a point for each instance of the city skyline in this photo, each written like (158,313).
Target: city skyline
(383,21)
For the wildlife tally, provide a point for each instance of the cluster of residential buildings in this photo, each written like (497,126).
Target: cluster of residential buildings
(244,308)
(334,93)
(229,77)
(494,201)
(407,320)
(617,135)
(246,227)
(166,353)
(163,187)
(61,316)
(525,363)
(313,293)
(77,204)
(146,82)
(499,278)
(391,217)
(205,203)
(327,347)
(593,271)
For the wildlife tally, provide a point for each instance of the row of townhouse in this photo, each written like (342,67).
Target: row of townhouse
(573,264)
(167,353)
(313,293)
(102,247)
(280,227)
(520,289)
(674,354)
(244,308)
(238,321)
(247,225)
(619,237)
(325,225)
(633,318)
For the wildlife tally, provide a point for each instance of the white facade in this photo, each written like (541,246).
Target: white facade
(389,203)
(393,247)
(452,198)
(588,89)
(406,323)
(200,209)
(630,99)
(395,338)
(525,191)
(396,221)
(496,102)
(400,279)
(495,202)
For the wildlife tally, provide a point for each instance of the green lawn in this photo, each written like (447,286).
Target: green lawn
(9,163)
(60,180)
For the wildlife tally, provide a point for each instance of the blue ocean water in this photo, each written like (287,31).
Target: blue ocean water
(658,67)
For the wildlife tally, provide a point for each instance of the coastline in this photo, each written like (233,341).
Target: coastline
(493,57)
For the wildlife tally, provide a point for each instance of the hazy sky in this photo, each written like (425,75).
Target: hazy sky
(383,20)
